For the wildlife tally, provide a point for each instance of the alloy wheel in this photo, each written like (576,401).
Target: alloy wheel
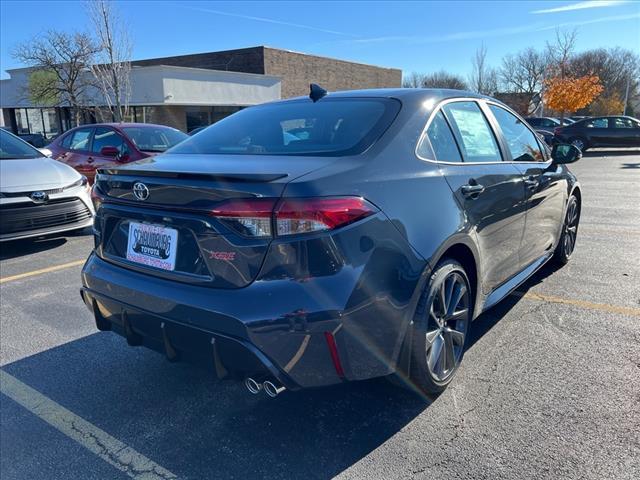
(570,229)
(448,322)
(578,143)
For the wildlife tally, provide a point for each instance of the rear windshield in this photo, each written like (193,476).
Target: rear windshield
(154,139)
(329,127)
(13,148)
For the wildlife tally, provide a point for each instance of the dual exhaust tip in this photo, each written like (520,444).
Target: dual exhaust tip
(270,388)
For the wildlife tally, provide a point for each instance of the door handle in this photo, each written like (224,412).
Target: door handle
(90,159)
(531,182)
(472,190)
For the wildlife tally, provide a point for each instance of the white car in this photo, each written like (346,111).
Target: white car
(39,195)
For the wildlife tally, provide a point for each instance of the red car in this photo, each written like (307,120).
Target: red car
(90,147)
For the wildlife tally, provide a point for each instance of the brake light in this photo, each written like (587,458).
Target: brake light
(305,215)
(557,131)
(291,216)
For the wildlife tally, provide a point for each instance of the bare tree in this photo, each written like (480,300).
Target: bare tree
(560,53)
(113,68)
(443,79)
(60,64)
(524,73)
(618,70)
(483,79)
(413,80)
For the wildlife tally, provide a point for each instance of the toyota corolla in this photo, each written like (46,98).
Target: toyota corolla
(330,238)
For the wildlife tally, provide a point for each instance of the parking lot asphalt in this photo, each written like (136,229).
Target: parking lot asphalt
(549,387)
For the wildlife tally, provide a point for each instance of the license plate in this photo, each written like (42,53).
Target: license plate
(152,245)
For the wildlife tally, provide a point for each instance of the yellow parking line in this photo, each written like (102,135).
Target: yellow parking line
(604,307)
(97,441)
(55,268)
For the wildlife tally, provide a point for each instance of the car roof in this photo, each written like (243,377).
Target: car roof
(418,94)
(121,125)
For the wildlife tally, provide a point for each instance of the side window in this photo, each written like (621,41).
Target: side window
(66,141)
(442,141)
(105,137)
(79,140)
(471,129)
(619,122)
(521,141)
(597,123)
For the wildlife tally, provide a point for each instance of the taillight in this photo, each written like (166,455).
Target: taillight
(250,217)
(291,216)
(557,131)
(96,197)
(305,215)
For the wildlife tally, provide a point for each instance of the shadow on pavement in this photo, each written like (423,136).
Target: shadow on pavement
(180,417)
(610,153)
(28,246)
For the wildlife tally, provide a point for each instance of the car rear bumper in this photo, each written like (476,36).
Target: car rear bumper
(305,333)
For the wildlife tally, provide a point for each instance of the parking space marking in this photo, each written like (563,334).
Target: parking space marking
(55,268)
(604,307)
(97,441)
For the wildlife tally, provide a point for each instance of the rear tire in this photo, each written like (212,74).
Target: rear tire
(439,328)
(567,242)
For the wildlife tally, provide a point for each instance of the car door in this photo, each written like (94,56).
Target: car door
(596,132)
(76,147)
(624,132)
(106,137)
(545,186)
(489,190)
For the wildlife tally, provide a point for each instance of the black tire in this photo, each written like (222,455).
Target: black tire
(439,330)
(567,242)
(580,143)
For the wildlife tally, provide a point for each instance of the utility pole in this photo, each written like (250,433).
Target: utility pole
(626,94)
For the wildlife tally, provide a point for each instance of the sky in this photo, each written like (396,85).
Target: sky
(412,36)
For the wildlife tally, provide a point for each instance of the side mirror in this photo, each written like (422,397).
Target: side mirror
(563,153)
(110,152)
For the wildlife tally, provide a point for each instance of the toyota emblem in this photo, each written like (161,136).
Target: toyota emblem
(140,191)
(39,197)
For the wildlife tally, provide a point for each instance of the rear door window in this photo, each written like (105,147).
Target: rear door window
(80,139)
(442,141)
(621,122)
(521,141)
(472,131)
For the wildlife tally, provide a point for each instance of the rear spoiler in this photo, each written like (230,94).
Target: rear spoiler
(230,177)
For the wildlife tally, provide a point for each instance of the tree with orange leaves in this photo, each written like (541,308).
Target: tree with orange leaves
(568,94)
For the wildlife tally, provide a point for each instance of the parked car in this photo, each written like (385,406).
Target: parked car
(364,250)
(614,131)
(546,136)
(197,130)
(90,147)
(547,123)
(39,196)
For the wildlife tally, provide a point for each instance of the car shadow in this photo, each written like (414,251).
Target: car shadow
(610,153)
(28,246)
(491,317)
(197,427)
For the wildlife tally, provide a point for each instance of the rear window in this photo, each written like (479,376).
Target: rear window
(154,139)
(329,127)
